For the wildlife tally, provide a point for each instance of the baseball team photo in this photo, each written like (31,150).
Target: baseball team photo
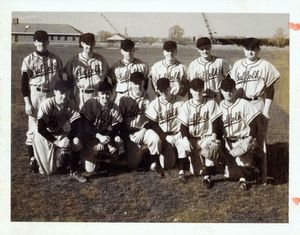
(149,117)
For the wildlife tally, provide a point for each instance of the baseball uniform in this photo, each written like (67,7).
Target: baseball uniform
(133,112)
(100,120)
(86,74)
(211,72)
(58,123)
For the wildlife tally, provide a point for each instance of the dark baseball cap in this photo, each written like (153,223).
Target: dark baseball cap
(203,41)
(105,86)
(40,35)
(251,43)
(127,44)
(196,84)
(87,38)
(170,45)
(227,84)
(163,84)
(62,85)
(137,77)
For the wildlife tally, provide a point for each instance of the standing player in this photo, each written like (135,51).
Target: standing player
(138,133)
(240,130)
(255,79)
(164,111)
(170,68)
(86,70)
(57,135)
(120,72)
(40,69)
(200,119)
(211,69)
(102,122)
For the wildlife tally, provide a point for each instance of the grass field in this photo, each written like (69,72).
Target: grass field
(127,196)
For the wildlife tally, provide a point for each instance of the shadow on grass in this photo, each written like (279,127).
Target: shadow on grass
(278,162)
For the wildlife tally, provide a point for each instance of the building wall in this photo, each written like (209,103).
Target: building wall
(52,38)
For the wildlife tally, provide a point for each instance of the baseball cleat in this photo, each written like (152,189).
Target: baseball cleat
(243,186)
(182,178)
(33,165)
(75,175)
(208,183)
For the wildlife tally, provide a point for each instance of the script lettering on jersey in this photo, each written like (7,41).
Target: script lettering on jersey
(198,118)
(103,121)
(209,74)
(44,69)
(253,75)
(173,77)
(123,75)
(85,73)
(167,115)
(231,119)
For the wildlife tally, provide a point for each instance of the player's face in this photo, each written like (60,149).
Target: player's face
(87,48)
(170,55)
(41,46)
(251,54)
(61,98)
(166,94)
(229,95)
(137,88)
(196,94)
(128,55)
(205,51)
(104,97)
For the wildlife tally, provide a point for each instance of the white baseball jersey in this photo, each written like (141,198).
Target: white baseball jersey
(102,118)
(165,113)
(43,71)
(175,72)
(237,117)
(252,79)
(211,72)
(120,73)
(199,117)
(87,73)
(56,118)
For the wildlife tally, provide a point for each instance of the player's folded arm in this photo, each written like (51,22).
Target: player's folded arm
(217,127)
(25,84)
(42,129)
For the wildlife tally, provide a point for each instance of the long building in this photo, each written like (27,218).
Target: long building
(58,33)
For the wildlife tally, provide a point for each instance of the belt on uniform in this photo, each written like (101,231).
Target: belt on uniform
(233,140)
(44,90)
(88,91)
(170,133)
(251,99)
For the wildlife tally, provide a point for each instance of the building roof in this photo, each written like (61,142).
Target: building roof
(57,29)
(116,37)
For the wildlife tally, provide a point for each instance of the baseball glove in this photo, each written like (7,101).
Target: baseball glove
(242,147)
(211,150)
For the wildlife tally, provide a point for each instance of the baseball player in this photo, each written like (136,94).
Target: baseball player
(211,69)
(255,79)
(239,118)
(170,68)
(102,122)
(164,111)
(200,119)
(86,70)
(120,72)
(138,134)
(57,134)
(40,69)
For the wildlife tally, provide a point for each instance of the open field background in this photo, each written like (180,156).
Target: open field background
(127,196)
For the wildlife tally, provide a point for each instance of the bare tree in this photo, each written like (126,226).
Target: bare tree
(176,33)
(103,35)
(279,38)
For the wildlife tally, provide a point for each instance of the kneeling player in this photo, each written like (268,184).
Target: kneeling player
(138,134)
(239,120)
(163,112)
(200,120)
(102,121)
(57,135)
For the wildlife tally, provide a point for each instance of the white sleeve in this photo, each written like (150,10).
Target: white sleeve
(152,111)
(183,115)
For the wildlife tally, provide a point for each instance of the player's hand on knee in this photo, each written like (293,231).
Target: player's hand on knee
(98,147)
(139,135)
(77,145)
(63,143)
(104,139)
(186,144)
(29,109)
(170,139)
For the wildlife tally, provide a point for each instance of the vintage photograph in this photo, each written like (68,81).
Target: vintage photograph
(150,117)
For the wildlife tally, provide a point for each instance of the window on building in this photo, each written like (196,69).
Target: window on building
(51,37)
(58,38)
(16,38)
(74,38)
(66,38)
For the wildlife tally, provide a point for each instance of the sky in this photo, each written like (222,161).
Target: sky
(157,24)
